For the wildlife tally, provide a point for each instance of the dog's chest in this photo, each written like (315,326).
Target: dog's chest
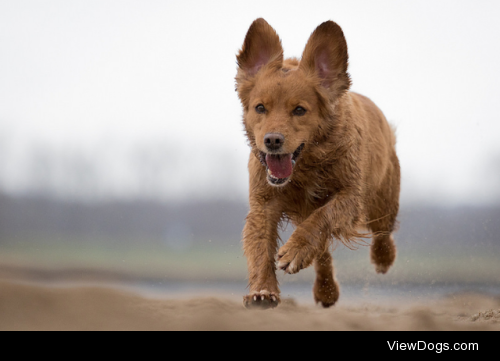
(299,205)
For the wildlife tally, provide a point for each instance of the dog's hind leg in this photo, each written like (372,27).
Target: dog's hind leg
(383,213)
(326,288)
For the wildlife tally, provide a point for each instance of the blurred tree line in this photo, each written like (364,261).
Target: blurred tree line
(218,221)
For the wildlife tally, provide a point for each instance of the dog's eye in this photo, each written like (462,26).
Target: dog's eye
(299,111)
(260,109)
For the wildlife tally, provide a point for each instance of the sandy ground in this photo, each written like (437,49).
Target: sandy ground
(34,307)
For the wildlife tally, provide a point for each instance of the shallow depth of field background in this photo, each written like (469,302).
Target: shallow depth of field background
(123,158)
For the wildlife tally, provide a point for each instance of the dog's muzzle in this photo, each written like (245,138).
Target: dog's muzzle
(279,167)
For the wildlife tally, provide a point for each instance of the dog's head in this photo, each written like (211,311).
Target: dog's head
(288,104)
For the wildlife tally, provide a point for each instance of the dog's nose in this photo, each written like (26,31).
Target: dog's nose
(274,141)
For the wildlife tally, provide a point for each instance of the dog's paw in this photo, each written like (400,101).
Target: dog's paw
(326,292)
(383,254)
(382,268)
(262,300)
(292,258)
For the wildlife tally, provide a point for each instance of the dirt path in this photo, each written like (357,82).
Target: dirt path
(28,307)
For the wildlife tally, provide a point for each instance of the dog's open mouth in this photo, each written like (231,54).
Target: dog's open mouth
(279,167)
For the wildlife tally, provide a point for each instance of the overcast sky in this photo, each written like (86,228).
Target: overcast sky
(87,75)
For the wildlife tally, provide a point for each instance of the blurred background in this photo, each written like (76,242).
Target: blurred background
(123,158)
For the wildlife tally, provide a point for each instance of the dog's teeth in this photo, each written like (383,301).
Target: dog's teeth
(255,298)
(293,163)
(271,174)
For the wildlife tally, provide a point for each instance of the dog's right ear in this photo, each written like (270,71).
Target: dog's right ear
(262,47)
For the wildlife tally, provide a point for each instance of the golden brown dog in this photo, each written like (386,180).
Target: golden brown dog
(322,157)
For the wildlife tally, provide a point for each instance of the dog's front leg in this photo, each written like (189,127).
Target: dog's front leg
(339,218)
(260,243)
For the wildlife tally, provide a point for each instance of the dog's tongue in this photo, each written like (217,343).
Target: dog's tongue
(279,165)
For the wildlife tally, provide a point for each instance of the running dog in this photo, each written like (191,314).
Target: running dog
(322,157)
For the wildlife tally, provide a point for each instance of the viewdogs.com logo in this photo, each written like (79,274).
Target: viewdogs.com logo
(429,346)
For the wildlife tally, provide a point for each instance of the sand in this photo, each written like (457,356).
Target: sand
(35,307)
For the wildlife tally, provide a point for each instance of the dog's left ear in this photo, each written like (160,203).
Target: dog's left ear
(325,55)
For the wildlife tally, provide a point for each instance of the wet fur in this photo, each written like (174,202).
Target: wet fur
(346,179)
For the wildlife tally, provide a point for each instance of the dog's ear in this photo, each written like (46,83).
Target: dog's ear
(262,46)
(325,55)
